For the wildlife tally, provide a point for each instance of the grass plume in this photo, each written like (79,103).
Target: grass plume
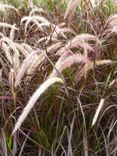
(33,99)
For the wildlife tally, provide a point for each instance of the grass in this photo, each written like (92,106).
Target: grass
(58,78)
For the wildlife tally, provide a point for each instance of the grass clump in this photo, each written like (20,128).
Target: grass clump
(58,64)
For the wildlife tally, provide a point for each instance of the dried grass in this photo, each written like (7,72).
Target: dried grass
(66,61)
(60,31)
(71,7)
(112,82)
(33,99)
(90,65)
(12,33)
(25,65)
(35,63)
(6,49)
(16,54)
(38,20)
(27,47)
(35,41)
(98,111)
(8,25)
(112,21)
(4,7)
(80,41)
(22,50)
(36,10)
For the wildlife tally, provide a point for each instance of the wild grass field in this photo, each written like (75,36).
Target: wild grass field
(58,78)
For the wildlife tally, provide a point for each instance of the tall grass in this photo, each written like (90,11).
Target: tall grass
(70,42)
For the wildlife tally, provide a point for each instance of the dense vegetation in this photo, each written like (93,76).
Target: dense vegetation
(58,78)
